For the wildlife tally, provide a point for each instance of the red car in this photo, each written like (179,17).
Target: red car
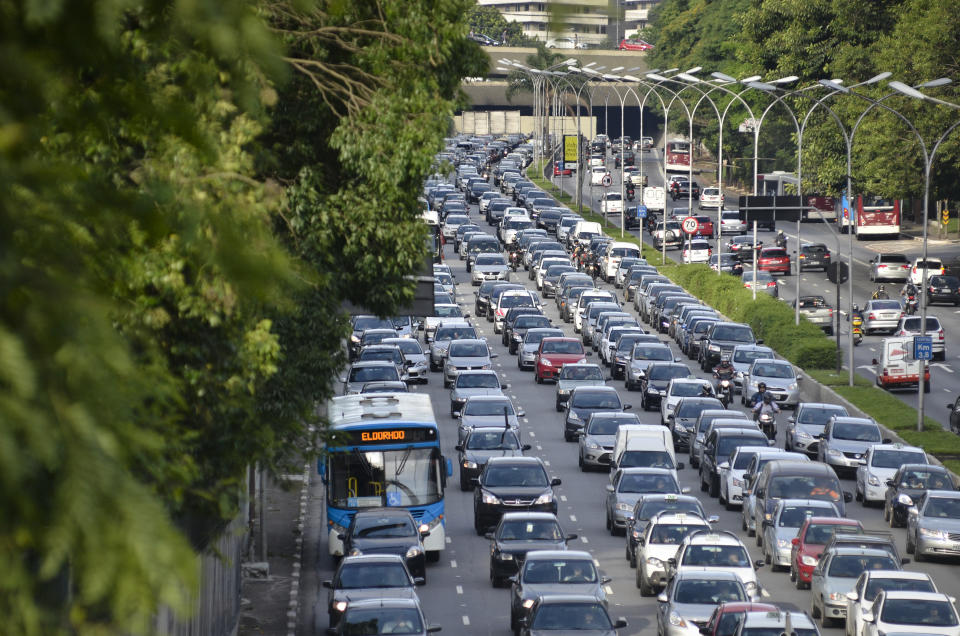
(634,45)
(557,170)
(809,542)
(553,354)
(774,260)
(727,616)
(706,226)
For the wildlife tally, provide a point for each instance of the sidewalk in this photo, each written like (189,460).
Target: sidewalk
(270,591)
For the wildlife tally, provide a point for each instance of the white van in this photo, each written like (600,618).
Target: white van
(896,367)
(585,227)
(655,198)
(646,437)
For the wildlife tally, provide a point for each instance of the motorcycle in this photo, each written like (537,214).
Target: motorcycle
(514,259)
(768,424)
(912,304)
(856,326)
(781,240)
(631,193)
(725,392)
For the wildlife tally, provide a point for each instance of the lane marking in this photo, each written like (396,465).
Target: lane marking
(532,434)
(563,497)
(449,540)
(608,589)
(546,462)
(466,619)
(539,447)
(453,563)
(459,589)
(573,518)
(584,539)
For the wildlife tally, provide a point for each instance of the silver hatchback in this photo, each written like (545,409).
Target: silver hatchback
(881,315)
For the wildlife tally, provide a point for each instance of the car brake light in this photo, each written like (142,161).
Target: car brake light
(871,316)
(941,335)
(914,270)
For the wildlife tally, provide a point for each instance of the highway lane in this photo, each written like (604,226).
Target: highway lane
(458,594)
(945,375)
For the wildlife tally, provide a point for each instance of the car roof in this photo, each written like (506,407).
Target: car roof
(643,470)
(372,558)
(515,460)
(819,503)
(488,398)
(715,575)
(543,555)
(895,446)
(542,516)
(899,574)
(594,389)
(778,619)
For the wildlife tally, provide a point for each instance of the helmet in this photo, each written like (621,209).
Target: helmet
(880,288)
(762,386)
(705,390)
(767,399)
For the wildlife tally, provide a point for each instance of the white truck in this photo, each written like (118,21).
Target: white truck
(655,198)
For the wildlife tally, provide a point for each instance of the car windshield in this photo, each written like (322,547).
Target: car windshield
(731,556)
(377,337)
(733,333)
(692,410)
(746,356)
(640,483)
(850,566)
(655,352)
(531,322)
(571,616)
(709,592)
(370,527)
(668,373)
(545,572)
(374,373)
(595,400)
(561,346)
(493,440)
(673,533)
(371,322)
(885,304)
(804,487)
(743,460)
(468,350)
(452,311)
(820,533)
(488,407)
(514,475)
(896,458)
(942,508)
(819,415)
(365,575)
(646,459)
(530,530)
(577,372)
(650,508)
(479,381)
(374,621)
(455,333)
(534,337)
(920,612)
(516,301)
(926,480)
(490,259)
(771,370)
(603,426)
(409,346)
(856,432)
(726,444)
(794,516)
(896,585)
(381,354)
(913,324)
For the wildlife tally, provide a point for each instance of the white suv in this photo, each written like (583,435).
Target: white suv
(711,198)
(922,270)
(716,550)
(660,541)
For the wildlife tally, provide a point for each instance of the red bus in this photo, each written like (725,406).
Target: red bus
(874,216)
(678,156)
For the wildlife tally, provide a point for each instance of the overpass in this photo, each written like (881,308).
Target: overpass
(489,93)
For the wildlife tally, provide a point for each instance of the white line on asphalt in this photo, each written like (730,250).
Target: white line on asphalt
(947,390)
(608,589)
(584,539)
(526,420)
(449,541)
(573,518)
(764,593)
(532,434)
(546,462)
(459,589)
(596,562)
(563,497)
(868,368)
(539,447)
(453,563)
(466,620)
(942,366)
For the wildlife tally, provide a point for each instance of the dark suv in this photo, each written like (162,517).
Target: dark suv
(720,339)
(814,256)
(717,449)
(512,484)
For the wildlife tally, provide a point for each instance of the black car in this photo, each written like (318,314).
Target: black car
(512,484)
(629,159)
(681,189)
(814,256)
(387,531)
(907,484)
(550,572)
(383,616)
(720,340)
(481,444)
(943,289)
(519,533)
(649,506)
(370,576)
(549,218)
(515,327)
(569,614)
(653,384)
(586,400)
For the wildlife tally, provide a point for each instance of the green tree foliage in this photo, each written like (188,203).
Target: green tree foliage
(491,23)
(188,192)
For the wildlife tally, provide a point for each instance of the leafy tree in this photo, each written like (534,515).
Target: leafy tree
(490,22)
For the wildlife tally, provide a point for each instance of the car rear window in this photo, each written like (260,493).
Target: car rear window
(913,324)
(892,258)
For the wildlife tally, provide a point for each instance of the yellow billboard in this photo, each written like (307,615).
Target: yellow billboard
(570,148)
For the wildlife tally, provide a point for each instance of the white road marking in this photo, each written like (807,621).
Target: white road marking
(532,434)
(573,518)
(459,589)
(449,540)
(868,368)
(940,365)
(608,589)
(596,562)
(563,497)
(526,421)
(453,563)
(764,593)
(947,390)
(546,462)
(466,620)
(584,539)
(539,447)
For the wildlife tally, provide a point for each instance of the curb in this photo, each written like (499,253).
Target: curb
(293,606)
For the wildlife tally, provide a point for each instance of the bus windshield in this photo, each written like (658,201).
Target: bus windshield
(402,477)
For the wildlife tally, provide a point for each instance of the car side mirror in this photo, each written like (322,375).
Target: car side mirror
(767,523)
(589,354)
(328,584)
(627,407)
(887,440)
(331,631)
(904,561)
(494,355)
(526,447)
(343,379)
(419,580)
(520,412)
(342,536)
(662,598)
(795,541)
(891,483)
(913,510)
(620,623)
(610,488)
(432,629)
(949,407)
(555,481)
(760,341)
(607,378)
(792,419)
(488,535)
(681,466)
(867,617)
(571,537)
(759,563)
(724,465)
(458,447)
(685,490)
(847,497)
(474,481)
(853,596)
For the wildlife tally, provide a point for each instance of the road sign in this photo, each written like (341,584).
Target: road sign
(838,272)
(923,348)
(690,225)
(570,147)
(607,181)
(946,217)
(642,212)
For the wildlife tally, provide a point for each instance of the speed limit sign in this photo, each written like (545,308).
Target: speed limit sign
(607,181)
(690,225)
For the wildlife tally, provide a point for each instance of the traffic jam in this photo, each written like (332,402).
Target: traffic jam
(622,459)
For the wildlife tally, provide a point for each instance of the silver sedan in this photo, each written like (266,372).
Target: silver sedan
(881,315)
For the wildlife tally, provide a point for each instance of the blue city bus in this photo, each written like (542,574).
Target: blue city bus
(384,450)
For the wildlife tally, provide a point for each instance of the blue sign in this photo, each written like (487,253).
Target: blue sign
(394,498)
(642,212)
(922,348)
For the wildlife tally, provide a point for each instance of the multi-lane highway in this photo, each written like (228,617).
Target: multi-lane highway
(459,595)
(945,375)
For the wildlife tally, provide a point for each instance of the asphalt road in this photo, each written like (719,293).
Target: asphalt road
(945,375)
(458,594)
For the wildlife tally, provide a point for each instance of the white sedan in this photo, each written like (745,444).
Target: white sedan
(611,203)
(597,173)
(697,251)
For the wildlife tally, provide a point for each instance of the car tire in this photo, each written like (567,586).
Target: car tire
(559,406)
(609,523)
(714,486)
(814,611)
(537,377)
(645,588)
(721,499)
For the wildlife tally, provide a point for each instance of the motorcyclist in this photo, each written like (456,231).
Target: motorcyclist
(766,406)
(631,191)
(706,391)
(880,294)
(759,396)
(781,239)
(909,290)
(725,370)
